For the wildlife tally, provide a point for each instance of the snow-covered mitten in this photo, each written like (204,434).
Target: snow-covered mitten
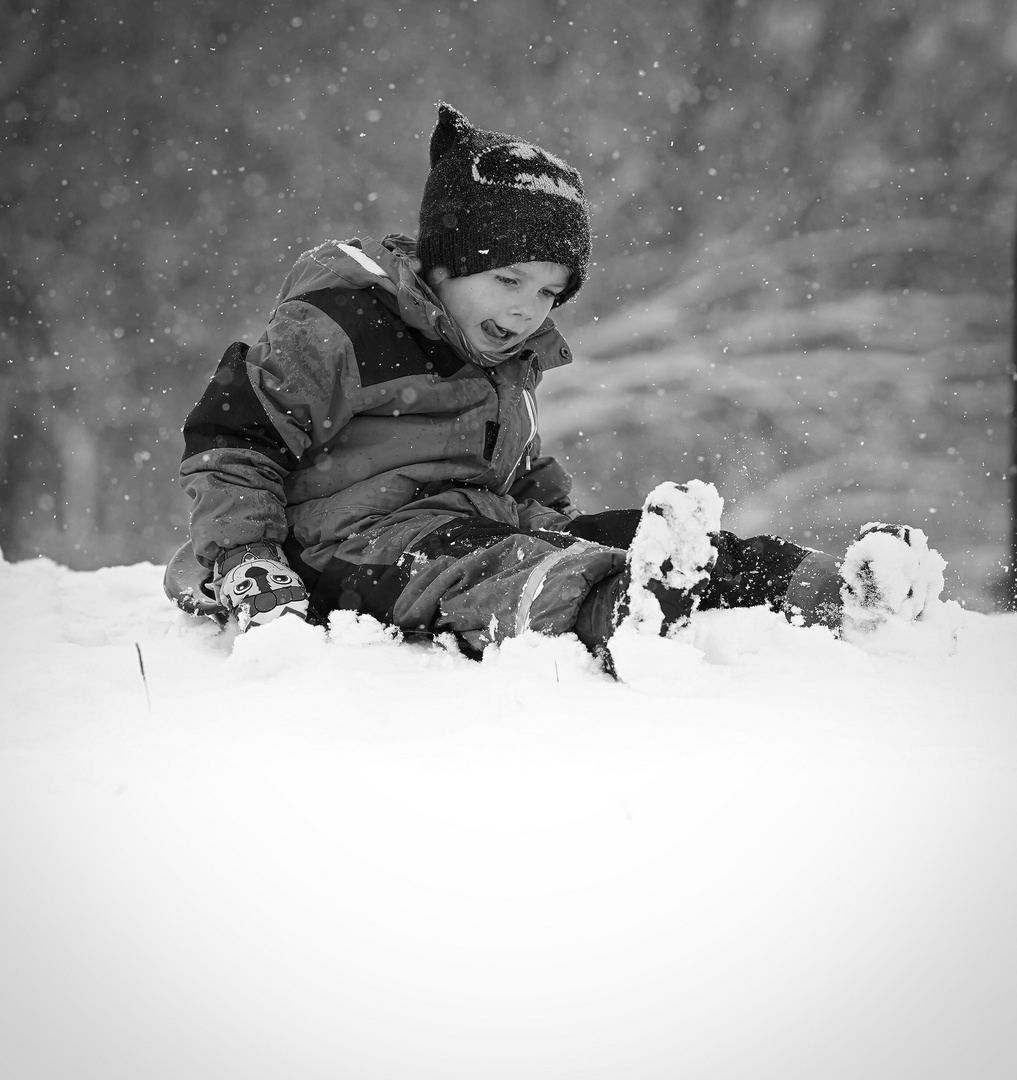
(671,556)
(254,583)
(889,572)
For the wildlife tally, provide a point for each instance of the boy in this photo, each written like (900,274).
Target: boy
(377,449)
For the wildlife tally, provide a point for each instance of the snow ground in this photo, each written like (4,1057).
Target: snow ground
(769,854)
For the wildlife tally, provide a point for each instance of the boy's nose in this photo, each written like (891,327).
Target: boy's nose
(523,307)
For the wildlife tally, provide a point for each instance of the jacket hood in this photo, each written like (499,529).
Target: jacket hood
(391,266)
(348,264)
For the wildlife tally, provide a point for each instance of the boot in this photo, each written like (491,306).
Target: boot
(667,570)
(889,572)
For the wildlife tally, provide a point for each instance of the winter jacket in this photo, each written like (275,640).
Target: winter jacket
(362,400)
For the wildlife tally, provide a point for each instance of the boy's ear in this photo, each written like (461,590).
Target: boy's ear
(436,275)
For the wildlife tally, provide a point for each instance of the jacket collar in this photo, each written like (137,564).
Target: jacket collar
(390,266)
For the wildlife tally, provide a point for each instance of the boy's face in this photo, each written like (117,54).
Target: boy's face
(498,309)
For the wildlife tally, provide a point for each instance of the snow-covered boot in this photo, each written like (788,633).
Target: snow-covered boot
(669,560)
(667,569)
(671,557)
(889,572)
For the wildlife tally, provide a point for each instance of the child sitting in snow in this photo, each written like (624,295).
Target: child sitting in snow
(377,449)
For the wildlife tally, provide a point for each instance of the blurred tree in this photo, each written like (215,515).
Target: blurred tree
(104,107)
(1012,581)
(163,163)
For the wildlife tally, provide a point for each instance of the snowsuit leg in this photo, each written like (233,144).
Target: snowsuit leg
(758,570)
(772,571)
(762,570)
(480,579)
(484,580)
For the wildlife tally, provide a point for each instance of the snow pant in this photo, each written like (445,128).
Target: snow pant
(802,583)
(479,579)
(483,580)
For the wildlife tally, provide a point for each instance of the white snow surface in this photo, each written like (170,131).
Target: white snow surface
(300,854)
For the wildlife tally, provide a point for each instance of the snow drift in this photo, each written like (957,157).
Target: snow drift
(768,853)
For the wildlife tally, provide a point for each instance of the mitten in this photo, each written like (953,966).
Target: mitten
(254,583)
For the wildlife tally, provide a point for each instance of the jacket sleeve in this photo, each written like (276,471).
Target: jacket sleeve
(262,409)
(545,482)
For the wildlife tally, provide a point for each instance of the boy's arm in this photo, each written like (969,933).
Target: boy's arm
(234,464)
(261,410)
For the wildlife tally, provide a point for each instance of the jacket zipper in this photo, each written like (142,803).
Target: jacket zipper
(530,401)
(531,409)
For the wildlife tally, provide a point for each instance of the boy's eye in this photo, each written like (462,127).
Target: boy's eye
(505,280)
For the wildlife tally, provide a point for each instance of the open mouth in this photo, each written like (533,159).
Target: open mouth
(496,332)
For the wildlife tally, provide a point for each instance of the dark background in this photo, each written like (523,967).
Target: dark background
(804,213)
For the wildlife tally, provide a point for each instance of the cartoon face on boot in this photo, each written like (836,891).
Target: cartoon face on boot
(260,590)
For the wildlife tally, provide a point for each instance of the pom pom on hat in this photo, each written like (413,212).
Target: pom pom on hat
(493,200)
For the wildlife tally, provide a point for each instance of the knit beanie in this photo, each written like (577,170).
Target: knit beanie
(492,200)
